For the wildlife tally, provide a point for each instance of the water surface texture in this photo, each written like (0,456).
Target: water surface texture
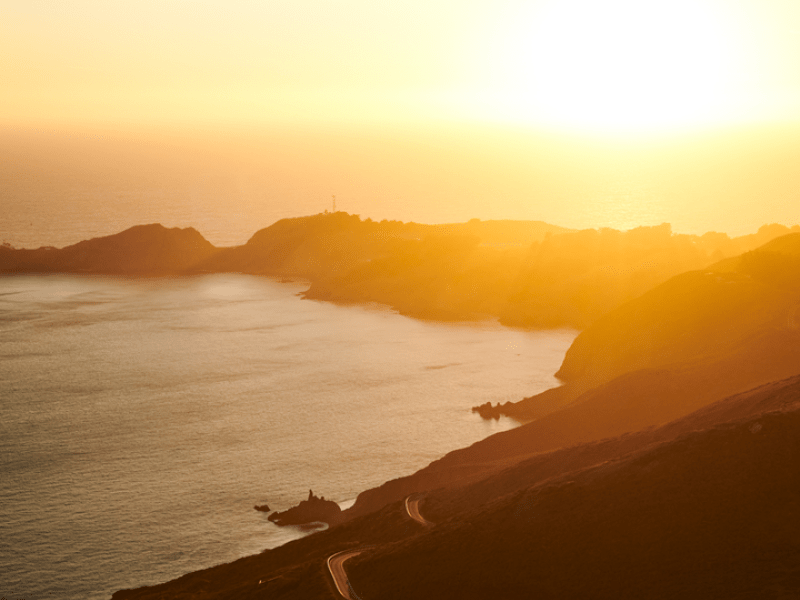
(141,420)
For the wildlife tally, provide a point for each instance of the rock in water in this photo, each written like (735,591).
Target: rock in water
(312,509)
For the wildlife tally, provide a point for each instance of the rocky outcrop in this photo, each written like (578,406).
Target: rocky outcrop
(310,510)
(262,508)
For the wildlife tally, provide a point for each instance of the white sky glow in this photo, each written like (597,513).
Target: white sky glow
(580,64)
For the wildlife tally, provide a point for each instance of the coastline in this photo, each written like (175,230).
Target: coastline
(236,392)
(542,277)
(731,317)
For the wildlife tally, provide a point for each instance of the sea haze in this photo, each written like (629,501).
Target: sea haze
(58,188)
(141,420)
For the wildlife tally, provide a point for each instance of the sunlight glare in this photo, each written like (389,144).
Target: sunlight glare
(613,66)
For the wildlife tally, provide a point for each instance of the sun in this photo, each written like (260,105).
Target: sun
(617,65)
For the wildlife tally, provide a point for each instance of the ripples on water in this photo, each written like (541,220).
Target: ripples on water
(141,420)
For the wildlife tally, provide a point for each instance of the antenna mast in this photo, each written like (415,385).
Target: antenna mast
(334,203)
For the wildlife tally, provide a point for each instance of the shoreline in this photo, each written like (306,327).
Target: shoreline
(722,319)
(179,294)
(549,278)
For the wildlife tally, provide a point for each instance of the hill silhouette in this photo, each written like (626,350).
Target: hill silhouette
(524,273)
(143,250)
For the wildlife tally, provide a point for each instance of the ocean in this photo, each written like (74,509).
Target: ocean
(61,187)
(142,419)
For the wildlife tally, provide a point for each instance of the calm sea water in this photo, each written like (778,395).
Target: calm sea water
(141,420)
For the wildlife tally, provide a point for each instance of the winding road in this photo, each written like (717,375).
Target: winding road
(336,561)
(336,567)
(412,508)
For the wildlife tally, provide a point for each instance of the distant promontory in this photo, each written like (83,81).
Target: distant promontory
(524,273)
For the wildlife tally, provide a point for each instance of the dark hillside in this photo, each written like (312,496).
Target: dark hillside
(444,503)
(712,514)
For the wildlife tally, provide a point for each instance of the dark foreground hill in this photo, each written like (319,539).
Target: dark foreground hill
(712,514)
(704,507)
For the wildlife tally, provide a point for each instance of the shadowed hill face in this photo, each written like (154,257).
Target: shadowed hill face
(715,332)
(779,396)
(304,247)
(578,277)
(691,317)
(776,264)
(709,515)
(143,249)
(786,244)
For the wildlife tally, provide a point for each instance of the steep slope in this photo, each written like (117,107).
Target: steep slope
(713,514)
(692,316)
(738,321)
(777,396)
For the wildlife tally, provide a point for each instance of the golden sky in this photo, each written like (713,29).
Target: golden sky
(610,65)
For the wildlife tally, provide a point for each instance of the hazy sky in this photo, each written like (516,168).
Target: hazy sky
(604,64)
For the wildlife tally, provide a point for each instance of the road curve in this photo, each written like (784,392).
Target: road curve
(336,568)
(336,561)
(412,508)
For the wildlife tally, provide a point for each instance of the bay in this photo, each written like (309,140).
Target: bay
(141,419)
